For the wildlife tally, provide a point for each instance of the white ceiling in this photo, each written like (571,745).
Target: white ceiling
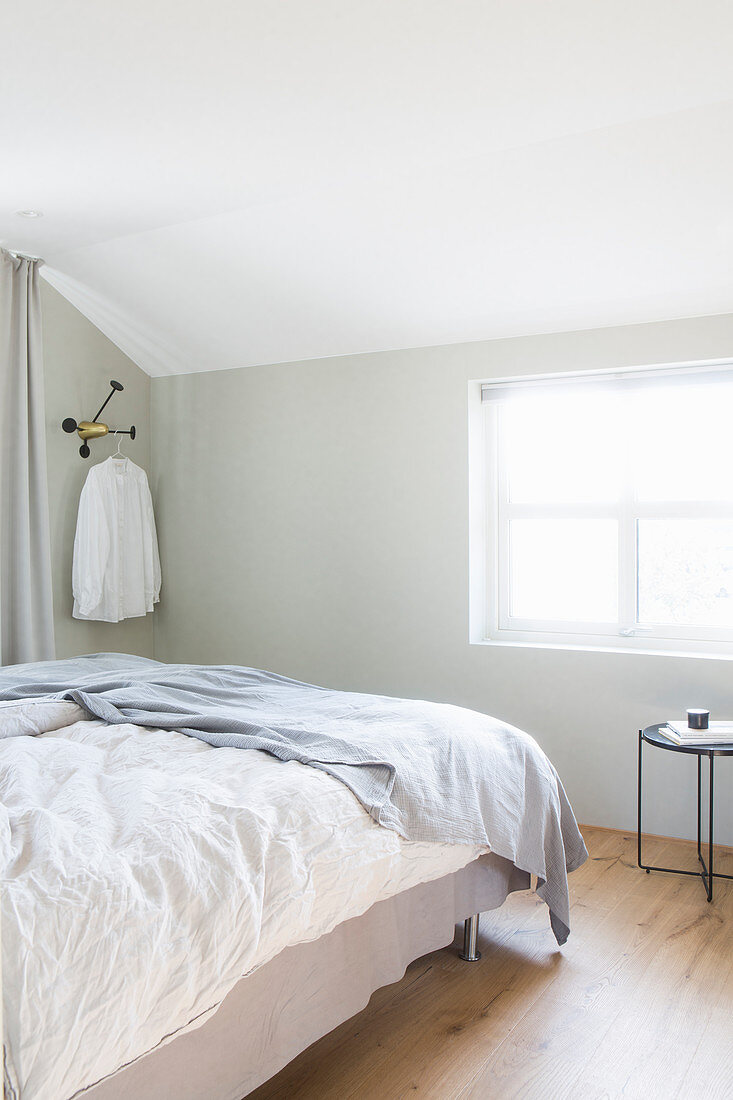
(231,183)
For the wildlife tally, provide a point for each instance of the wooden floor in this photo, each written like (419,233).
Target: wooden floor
(639,1002)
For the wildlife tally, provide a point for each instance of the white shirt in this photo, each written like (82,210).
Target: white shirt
(116,572)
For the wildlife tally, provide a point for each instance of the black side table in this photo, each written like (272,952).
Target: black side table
(653,736)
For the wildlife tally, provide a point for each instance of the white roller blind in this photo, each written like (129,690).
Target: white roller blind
(622,378)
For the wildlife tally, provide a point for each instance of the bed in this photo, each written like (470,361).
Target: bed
(180,917)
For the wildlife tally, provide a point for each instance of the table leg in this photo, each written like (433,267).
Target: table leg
(638,808)
(699,807)
(710,835)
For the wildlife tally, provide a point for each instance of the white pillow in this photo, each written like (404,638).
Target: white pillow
(28,717)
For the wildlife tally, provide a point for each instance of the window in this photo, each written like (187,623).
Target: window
(602,510)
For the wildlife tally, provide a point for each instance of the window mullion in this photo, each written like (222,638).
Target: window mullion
(685,509)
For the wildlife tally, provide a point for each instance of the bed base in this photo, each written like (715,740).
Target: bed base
(274,1013)
(307,990)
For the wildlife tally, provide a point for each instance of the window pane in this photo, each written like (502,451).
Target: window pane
(565,569)
(562,448)
(686,571)
(682,442)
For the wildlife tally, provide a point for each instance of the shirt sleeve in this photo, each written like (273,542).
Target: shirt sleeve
(91,551)
(152,557)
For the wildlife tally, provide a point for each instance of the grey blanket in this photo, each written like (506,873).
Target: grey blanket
(429,771)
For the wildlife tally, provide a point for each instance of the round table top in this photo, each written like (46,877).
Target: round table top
(654,737)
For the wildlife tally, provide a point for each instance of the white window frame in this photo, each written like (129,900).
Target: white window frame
(490,512)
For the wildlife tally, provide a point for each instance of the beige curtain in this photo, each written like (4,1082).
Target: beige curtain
(26,599)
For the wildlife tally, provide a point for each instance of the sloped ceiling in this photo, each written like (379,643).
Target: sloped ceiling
(234,183)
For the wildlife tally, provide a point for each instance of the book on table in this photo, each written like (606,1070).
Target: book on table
(718,733)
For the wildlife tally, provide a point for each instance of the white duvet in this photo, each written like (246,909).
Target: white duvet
(144,873)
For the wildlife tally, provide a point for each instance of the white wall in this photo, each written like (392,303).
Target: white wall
(314,521)
(79,362)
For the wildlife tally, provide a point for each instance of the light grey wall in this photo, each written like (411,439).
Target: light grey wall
(314,521)
(79,362)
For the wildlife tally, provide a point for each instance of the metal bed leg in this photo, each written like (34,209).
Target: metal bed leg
(470,951)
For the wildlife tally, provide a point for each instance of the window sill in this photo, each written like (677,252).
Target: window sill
(646,650)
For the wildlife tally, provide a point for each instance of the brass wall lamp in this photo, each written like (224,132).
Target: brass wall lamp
(93,429)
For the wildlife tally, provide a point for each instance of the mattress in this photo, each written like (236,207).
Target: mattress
(145,873)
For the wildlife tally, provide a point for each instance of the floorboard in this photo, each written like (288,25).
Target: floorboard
(638,1004)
